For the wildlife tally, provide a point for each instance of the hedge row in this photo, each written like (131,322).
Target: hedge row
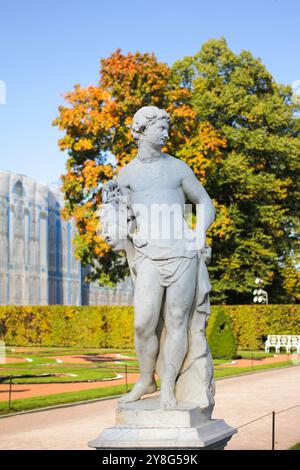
(112,326)
(60,325)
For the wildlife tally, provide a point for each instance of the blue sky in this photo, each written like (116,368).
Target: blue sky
(47,46)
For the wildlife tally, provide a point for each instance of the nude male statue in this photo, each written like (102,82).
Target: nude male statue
(165,268)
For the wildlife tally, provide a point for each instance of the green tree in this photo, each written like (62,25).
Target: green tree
(256,184)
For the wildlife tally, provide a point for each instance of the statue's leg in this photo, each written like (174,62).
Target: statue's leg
(179,301)
(148,294)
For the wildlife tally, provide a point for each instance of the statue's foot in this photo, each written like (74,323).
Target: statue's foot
(167,399)
(140,388)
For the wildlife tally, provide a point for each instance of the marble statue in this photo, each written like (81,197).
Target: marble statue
(171,303)
(143,213)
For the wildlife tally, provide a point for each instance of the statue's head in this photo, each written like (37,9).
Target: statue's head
(151,124)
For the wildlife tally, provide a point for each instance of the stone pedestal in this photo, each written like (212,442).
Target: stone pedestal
(142,424)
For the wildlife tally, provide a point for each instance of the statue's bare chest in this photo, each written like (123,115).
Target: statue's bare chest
(155,176)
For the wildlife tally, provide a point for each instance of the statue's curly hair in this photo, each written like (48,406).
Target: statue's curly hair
(144,117)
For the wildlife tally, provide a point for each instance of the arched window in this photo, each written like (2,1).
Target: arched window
(18,189)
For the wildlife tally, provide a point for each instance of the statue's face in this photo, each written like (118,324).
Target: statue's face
(156,134)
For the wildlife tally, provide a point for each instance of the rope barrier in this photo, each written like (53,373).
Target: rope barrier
(268,414)
(287,409)
(254,420)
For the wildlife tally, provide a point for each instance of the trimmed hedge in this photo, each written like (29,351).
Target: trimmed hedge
(252,323)
(112,326)
(60,325)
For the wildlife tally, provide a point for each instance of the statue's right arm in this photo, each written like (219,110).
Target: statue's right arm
(123,181)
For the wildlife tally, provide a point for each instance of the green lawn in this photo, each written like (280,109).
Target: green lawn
(66,374)
(60,399)
(230,371)
(35,360)
(67,351)
(254,354)
(295,447)
(38,362)
(43,362)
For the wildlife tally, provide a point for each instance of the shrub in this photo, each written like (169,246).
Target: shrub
(220,336)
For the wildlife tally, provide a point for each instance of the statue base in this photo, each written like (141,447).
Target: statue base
(142,424)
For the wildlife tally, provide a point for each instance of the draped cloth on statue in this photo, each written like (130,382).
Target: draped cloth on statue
(195,382)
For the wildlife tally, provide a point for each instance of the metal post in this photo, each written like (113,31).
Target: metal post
(9,396)
(267,298)
(126,381)
(273,430)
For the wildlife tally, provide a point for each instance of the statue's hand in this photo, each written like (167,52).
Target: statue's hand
(113,226)
(111,192)
(206,253)
(116,217)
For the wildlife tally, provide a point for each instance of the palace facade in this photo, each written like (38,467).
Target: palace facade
(37,263)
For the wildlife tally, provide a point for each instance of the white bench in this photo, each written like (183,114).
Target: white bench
(289,342)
